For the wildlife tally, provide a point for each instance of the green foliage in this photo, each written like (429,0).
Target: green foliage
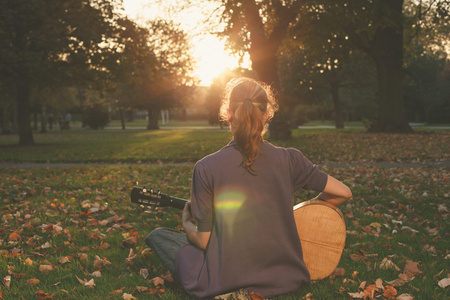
(96,117)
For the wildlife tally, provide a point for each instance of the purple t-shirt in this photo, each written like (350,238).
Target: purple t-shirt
(254,241)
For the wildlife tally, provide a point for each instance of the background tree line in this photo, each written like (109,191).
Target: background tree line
(75,56)
(384,61)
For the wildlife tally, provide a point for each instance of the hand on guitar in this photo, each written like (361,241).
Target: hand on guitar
(199,238)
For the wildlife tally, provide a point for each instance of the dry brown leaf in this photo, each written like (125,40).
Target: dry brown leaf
(144,273)
(117,292)
(142,289)
(45,268)
(388,264)
(14,236)
(32,281)
(157,281)
(128,296)
(358,295)
(85,282)
(64,259)
(379,284)
(370,291)
(157,291)
(97,274)
(29,261)
(7,281)
(167,277)
(83,257)
(389,292)
(405,297)
(130,242)
(43,295)
(256,296)
(444,283)
(411,269)
(337,272)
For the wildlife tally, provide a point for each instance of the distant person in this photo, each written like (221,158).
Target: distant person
(67,120)
(241,231)
(165,116)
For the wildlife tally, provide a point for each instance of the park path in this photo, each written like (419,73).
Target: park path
(387,165)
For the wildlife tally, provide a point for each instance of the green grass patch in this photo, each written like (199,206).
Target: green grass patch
(397,214)
(189,145)
(76,219)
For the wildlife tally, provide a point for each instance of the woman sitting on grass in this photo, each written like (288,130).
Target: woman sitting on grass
(241,232)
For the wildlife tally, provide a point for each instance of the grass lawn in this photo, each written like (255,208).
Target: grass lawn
(72,232)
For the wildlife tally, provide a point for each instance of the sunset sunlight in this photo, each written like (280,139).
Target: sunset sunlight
(209,51)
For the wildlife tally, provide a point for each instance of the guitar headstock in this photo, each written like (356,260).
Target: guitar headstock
(148,197)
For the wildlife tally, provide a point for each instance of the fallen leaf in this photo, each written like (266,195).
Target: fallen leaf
(83,257)
(142,289)
(144,273)
(388,264)
(128,296)
(29,261)
(168,277)
(444,283)
(64,259)
(256,296)
(389,292)
(7,281)
(32,281)
(45,268)
(379,284)
(14,236)
(442,208)
(130,242)
(43,295)
(405,297)
(358,295)
(85,282)
(370,291)
(157,291)
(97,274)
(338,272)
(411,269)
(157,281)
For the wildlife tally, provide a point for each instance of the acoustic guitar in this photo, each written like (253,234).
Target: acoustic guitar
(320,226)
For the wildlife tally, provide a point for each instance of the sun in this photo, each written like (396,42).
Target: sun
(209,51)
(212,58)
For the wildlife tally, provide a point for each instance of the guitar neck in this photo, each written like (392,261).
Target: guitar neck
(156,199)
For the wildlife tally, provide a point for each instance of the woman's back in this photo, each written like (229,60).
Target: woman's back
(254,242)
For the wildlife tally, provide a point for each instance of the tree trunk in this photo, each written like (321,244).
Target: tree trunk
(43,119)
(122,118)
(23,110)
(153,114)
(339,121)
(263,54)
(388,55)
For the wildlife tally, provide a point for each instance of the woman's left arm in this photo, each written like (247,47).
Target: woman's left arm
(199,238)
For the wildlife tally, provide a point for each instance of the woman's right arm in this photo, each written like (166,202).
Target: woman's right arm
(335,192)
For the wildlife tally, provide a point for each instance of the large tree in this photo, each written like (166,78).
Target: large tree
(50,42)
(259,27)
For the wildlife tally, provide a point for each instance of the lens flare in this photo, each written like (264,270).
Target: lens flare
(227,205)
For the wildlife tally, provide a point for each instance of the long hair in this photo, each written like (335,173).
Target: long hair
(247,105)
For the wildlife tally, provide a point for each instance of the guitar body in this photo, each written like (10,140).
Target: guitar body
(321,228)
(320,225)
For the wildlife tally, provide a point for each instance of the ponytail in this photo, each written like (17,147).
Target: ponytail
(247,106)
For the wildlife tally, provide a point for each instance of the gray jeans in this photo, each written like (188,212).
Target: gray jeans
(166,243)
